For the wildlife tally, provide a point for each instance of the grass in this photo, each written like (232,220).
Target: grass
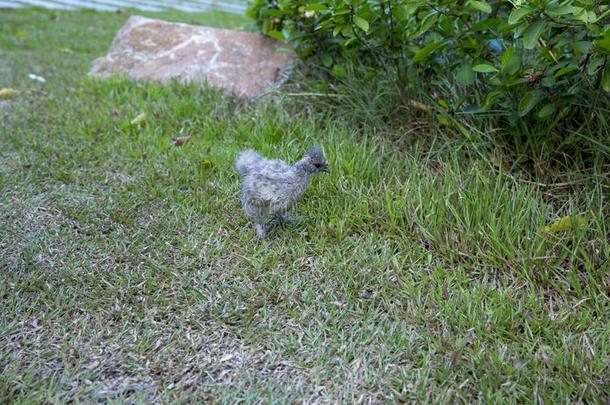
(417,272)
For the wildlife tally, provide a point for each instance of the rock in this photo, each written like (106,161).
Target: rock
(242,63)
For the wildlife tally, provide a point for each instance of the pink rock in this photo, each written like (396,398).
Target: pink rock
(242,63)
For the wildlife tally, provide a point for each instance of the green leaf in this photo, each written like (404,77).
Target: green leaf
(529,101)
(315,7)
(361,23)
(562,10)
(548,81)
(473,109)
(465,75)
(326,24)
(506,57)
(484,68)
(517,14)
(561,40)
(276,35)
(423,53)
(273,12)
(494,81)
(603,43)
(606,79)
(326,60)
(511,61)
(428,22)
(349,41)
(486,24)
(546,111)
(480,5)
(339,71)
(411,7)
(581,47)
(340,11)
(532,33)
(347,31)
(491,97)
(586,16)
(517,30)
(565,70)
(594,63)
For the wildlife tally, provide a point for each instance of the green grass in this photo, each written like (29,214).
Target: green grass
(417,272)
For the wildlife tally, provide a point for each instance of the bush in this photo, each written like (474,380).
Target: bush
(537,59)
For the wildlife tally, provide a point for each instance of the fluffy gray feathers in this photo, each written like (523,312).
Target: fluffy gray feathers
(270,187)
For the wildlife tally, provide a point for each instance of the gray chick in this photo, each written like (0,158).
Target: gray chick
(270,187)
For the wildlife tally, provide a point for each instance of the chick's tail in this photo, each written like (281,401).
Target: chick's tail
(246,161)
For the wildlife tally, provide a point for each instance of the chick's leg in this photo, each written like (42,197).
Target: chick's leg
(287,218)
(260,230)
(281,219)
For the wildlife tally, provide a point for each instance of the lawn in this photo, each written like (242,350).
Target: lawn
(417,271)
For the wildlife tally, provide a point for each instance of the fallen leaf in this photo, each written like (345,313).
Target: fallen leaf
(470,337)
(8,93)
(497,160)
(21,34)
(139,119)
(207,163)
(442,119)
(456,356)
(542,356)
(517,365)
(37,78)
(181,140)
(566,223)
(93,364)
(420,106)
(34,324)
(226,357)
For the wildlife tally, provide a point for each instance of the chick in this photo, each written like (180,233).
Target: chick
(270,187)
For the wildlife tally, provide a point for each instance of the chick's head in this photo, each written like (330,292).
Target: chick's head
(314,162)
